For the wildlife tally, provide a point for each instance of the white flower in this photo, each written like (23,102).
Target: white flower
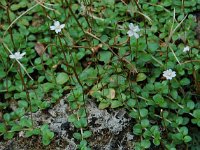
(21,134)
(169,74)
(186,49)
(133,31)
(57,26)
(17,55)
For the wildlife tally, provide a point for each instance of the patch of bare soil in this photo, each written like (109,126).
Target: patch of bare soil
(111,130)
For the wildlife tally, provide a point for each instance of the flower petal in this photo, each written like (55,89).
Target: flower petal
(136,35)
(62,26)
(186,49)
(130,33)
(131,26)
(52,27)
(17,53)
(173,74)
(57,30)
(136,29)
(56,23)
(169,74)
(12,56)
(22,54)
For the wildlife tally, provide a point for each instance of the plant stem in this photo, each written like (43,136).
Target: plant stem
(26,90)
(145,25)
(136,52)
(10,30)
(66,63)
(76,75)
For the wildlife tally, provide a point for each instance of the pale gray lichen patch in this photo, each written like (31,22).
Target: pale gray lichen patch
(114,121)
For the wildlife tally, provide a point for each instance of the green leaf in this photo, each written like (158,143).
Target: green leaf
(104,38)
(23,103)
(141,77)
(44,128)
(77,136)
(45,141)
(156,141)
(153,46)
(147,134)
(83,122)
(134,114)
(179,120)
(174,94)
(196,113)
(14,7)
(87,134)
(41,79)
(116,103)
(187,139)
(156,134)
(44,105)
(165,114)
(22,4)
(196,121)
(88,75)
(137,129)
(143,112)
(29,133)
(80,123)
(16,128)
(178,136)
(145,143)
(144,123)
(105,56)
(2,72)
(185,81)
(3,2)
(2,128)
(131,102)
(6,117)
(25,122)
(159,100)
(83,145)
(62,78)
(73,105)
(47,135)
(190,105)
(154,129)
(8,135)
(48,86)
(104,104)
(184,130)
(81,112)
(109,93)
(20,112)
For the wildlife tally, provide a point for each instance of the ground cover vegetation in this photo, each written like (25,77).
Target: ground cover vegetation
(140,55)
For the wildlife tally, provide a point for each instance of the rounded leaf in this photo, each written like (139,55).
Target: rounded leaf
(77,136)
(137,129)
(143,112)
(116,103)
(141,77)
(87,134)
(145,123)
(145,143)
(2,128)
(62,78)
(187,139)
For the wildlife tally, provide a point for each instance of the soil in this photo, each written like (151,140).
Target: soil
(111,130)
